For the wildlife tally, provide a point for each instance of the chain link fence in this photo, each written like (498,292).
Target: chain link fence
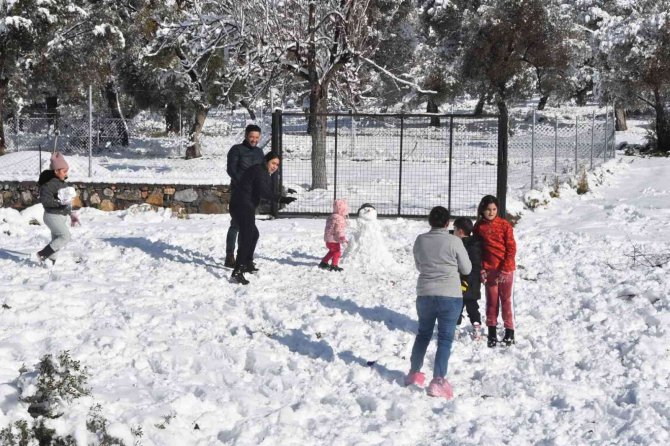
(406,164)
(402,164)
(547,149)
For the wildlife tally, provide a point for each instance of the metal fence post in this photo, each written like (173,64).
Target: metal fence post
(353,132)
(181,135)
(335,163)
(576,143)
(402,136)
(593,131)
(613,135)
(451,152)
(16,131)
(502,164)
(276,146)
(532,154)
(90,130)
(606,133)
(556,144)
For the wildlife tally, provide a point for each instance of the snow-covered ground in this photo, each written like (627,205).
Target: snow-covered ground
(307,357)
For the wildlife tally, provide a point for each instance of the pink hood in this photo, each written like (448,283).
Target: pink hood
(341,207)
(337,222)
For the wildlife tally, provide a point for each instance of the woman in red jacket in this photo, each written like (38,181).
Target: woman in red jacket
(498,251)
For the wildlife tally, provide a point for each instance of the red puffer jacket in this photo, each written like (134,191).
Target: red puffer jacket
(499,247)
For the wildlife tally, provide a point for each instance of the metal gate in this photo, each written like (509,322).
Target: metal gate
(402,164)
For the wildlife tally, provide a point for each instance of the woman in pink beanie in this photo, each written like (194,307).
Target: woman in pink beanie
(56,196)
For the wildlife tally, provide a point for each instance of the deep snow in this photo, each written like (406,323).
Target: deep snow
(142,299)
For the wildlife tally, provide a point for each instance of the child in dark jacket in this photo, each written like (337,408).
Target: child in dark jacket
(56,197)
(471,284)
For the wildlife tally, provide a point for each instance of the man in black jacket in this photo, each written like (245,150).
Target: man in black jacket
(240,158)
(255,184)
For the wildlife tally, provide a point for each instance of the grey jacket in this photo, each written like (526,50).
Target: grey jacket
(49,186)
(440,258)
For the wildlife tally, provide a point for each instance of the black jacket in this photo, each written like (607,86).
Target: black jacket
(256,183)
(49,185)
(240,158)
(473,245)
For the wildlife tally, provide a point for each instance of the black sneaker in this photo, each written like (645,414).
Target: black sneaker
(230,261)
(335,268)
(238,277)
(508,339)
(249,268)
(323,265)
(45,254)
(492,339)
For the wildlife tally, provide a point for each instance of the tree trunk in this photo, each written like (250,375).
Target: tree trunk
(503,111)
(543,102)
(3,92)
(52,111)
(112,95)
(431,107)
(479,108)
(619,117)
(318,105)
(662,126)
(171,118)
(246,105)
(193,150)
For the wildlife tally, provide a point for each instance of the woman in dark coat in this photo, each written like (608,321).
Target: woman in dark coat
(256,183)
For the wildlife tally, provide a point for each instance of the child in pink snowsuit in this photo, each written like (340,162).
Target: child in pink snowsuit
(334,235)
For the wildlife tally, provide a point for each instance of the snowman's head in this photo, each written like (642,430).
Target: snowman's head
(367,212)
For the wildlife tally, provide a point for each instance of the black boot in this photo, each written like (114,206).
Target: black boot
(238,276)
(335,268)
(508,339)
(324,265)
(250,268)
(230,261)
(45,253)
(493,338)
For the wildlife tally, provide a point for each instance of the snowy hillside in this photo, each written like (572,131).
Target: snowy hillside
(303,356)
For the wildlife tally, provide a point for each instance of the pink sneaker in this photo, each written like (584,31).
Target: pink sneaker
(415,378)
(440,387)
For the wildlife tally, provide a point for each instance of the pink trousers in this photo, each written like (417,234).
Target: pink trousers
(499,298)
(333,252)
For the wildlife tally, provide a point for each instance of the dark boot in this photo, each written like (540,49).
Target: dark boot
(45,253)
(492,340)
(323,265)
(335,268)
(508,339)
(250,268)
(230,261)
(238,276)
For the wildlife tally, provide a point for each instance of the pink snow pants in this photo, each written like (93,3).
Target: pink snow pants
(499,296)
(333,252)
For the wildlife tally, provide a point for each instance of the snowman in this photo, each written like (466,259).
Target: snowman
(368,245)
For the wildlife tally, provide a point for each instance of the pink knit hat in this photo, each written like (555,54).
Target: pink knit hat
(58,162)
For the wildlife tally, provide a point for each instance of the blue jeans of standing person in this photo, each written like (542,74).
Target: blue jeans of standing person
(445,310)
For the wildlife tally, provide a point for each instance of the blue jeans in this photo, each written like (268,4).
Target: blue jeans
(446,311)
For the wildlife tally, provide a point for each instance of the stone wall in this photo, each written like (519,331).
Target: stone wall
(109,197)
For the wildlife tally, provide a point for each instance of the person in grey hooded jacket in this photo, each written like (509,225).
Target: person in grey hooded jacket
(440,258)
(56,211)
